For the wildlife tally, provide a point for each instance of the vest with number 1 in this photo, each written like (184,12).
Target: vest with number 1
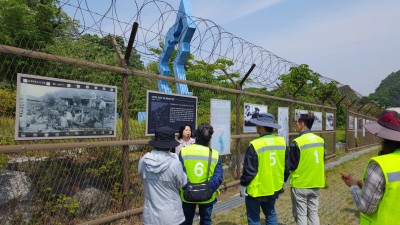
(310,172)
(195,160)
(270,150)
(388,211)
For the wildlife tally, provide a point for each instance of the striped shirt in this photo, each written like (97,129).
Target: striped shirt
(367,199)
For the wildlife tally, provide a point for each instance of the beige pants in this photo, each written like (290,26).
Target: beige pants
(305,205)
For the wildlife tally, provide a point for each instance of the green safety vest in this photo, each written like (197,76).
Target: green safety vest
(388,212)
(270,151)
(310,172)
(195,160)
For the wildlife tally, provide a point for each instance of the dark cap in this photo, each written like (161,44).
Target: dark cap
(265,120)
(164,138)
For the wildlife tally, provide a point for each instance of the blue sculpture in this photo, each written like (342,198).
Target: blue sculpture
(180,33)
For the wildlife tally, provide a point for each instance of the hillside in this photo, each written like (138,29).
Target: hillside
(388,92)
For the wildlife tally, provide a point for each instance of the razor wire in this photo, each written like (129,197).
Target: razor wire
(209,43)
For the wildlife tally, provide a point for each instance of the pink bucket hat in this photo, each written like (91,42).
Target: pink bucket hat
(387,126)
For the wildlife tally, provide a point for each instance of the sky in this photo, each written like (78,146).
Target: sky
(354,42)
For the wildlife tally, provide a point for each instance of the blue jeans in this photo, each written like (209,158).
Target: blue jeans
(205,211)
(253,211)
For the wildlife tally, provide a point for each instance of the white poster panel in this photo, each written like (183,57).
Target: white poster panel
(351,122)
(283,120)
(298,112)
(250,112)
(317,125)
(329,121)
(355,127)
(50,108)
(363,128)
(221,122)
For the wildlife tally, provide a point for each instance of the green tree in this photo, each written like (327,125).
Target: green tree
(341,117)
(299,83)
(304,84)
(28,24)
(386,94)
(99,50)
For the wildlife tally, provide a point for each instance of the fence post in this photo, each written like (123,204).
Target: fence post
(125,136)
(237,132)
(334,128)
(124,62)
(125,127)
(346,131)
(291,120)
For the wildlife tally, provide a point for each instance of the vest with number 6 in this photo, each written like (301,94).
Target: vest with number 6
(195,160)
(310,172)
(388,211)
(270,150)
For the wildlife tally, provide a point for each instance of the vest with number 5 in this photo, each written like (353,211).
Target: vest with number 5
(270,150)
(310,172)
(195,160)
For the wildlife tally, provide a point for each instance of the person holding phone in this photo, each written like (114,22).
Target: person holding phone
(377,197)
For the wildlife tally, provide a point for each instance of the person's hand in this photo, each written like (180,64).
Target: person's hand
(243,191)
(348,179)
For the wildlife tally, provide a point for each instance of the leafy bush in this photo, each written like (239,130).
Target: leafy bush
(357,141)
(7,125)
(3,161)
(55,208)
(7,103)
(340,136)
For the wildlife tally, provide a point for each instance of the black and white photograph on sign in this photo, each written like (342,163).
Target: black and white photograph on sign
(330,120)
(298,112)
(172,110)
(317,125)
(251,111)
(351,122)
(360,123)
(50,108)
